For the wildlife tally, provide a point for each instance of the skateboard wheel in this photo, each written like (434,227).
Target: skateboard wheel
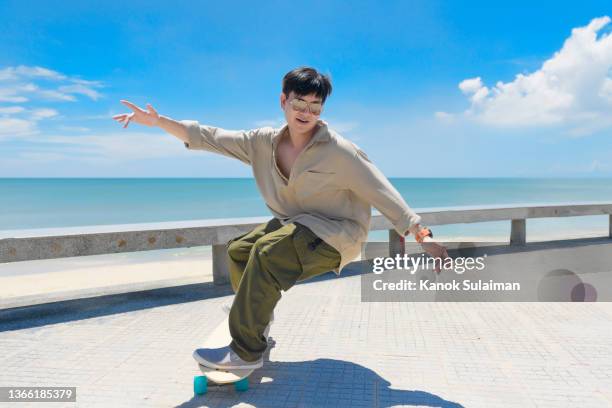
(200,384)
(242,385)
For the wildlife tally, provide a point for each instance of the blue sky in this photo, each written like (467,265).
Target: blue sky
(427,89)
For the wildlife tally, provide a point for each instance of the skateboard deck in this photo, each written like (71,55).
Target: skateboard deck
(220,337)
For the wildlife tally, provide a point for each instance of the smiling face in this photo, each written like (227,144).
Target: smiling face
(302,122)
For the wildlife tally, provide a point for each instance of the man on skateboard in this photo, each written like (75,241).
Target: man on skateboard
(320,188)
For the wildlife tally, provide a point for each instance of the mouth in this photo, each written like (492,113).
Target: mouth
(301,120)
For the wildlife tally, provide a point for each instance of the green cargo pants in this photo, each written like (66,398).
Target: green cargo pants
(270,258)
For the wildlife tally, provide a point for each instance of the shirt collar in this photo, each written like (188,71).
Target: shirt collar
(320,135)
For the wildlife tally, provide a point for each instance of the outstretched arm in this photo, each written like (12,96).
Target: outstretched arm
(231,143)
(368,182)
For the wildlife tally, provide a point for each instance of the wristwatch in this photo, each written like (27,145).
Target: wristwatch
(422,233)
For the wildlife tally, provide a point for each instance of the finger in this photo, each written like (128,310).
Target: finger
(131,106)
(151,109)
(127,121)
(119,115)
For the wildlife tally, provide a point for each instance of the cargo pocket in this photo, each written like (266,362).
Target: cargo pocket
(315,255)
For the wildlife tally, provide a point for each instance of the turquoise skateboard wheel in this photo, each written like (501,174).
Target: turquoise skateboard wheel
(200,384)
(242,385)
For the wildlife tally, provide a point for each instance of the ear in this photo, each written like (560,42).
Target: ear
(283,100)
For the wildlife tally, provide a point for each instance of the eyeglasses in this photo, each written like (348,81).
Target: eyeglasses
(301,105)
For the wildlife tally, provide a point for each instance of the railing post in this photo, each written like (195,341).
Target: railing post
(220,264)
(396,243)
(518,232)
(610,227)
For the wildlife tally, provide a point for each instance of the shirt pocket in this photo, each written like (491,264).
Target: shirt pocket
(311,184)
(320,192)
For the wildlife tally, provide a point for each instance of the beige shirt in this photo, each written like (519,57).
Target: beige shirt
(330,189)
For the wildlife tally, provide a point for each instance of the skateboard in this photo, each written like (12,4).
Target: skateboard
(220,337)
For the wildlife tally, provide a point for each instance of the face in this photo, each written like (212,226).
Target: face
(302,121)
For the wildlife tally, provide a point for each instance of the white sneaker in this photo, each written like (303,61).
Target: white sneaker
(224,358)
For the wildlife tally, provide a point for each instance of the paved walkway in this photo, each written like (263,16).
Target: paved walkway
(331,350)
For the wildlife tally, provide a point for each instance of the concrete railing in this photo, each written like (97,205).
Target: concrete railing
(23,245)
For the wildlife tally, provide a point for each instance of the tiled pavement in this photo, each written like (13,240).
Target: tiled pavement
(331,350)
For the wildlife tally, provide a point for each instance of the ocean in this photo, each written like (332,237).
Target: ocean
(33,203)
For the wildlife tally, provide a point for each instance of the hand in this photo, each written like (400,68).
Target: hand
(436,251)
(150,117)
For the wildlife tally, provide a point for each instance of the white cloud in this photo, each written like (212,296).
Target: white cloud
(17,121)
(470,85)
(74,128)
(81,89)
(7,97)
(11,110)
(43,113)
(14,127)
(572,89)
(54,95)
(445,116)
(16,85)
(85,82)
(31,84)
(22,71)
(14,92)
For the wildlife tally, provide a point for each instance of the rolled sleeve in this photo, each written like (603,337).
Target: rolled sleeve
(368,182)
(237,144)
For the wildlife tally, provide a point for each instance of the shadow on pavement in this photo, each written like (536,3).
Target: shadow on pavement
(78,309)
(316,383)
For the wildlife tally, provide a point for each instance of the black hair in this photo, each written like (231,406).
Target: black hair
(305,81)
